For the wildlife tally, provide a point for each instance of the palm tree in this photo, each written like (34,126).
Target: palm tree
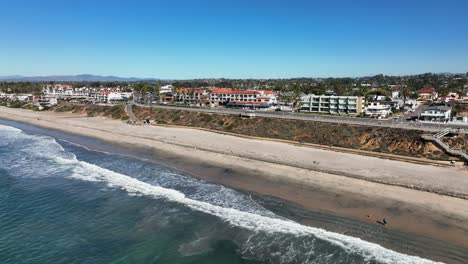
(405,92)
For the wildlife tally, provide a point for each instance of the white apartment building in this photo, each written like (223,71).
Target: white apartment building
(20,97)
(68,92)
(92,94)
(108,97)
(439,114)
(47,101)
(379,109)
(330,104)
(166,89)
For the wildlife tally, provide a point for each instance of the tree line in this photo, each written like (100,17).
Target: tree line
(339,86)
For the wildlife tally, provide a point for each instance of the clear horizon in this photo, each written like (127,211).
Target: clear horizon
(5,77)
(233,39)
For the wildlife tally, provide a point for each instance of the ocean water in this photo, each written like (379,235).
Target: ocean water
(63,203)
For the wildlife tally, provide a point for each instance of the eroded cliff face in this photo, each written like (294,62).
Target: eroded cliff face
(457,142)
(399,143)
(116,111)
(377,139)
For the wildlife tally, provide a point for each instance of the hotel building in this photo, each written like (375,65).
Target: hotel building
(330,104)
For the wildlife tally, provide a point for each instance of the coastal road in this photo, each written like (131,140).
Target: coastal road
(395,123)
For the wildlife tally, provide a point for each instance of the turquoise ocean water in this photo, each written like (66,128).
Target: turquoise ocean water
(63,203)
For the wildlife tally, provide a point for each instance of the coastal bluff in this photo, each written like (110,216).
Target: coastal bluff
(396,141)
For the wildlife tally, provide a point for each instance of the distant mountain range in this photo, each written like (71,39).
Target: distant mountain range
(99,78)
(71,78)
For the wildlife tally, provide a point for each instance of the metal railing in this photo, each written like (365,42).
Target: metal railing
(436,138)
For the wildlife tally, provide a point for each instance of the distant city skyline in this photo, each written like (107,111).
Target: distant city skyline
(233,39)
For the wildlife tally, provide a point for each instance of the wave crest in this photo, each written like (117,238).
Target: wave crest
(276,239)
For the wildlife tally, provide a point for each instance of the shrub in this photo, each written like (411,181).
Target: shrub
(66,108)
(16,104)
(206,118)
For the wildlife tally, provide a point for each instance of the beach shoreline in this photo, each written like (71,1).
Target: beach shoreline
(411,211)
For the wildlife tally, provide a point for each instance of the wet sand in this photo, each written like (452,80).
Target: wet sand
(437,217)
(328,217)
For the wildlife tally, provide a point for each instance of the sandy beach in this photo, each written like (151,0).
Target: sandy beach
(360,187)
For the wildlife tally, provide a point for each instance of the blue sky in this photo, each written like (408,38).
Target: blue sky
(233,39)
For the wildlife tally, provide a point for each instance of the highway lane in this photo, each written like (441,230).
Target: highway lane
(395,123)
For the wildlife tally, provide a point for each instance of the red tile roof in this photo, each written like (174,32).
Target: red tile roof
(249,103)
(236,91)
(232,91)
(427,90)
(189,91)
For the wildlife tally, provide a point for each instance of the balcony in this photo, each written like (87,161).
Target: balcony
(432,114)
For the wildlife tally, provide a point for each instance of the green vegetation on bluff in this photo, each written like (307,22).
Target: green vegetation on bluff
(376,139)
(115,112)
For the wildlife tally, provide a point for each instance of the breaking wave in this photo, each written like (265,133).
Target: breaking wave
(288,241)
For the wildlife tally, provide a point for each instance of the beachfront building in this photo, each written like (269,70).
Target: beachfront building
(345,105)
(25,98)
(58,90)
(86,94)
(166,94)
(111,97)
(225,97)
(44,101)
(461,117)
(379,109)
(189,96)
(67,92)
(166,89)
(242,98)
(440,114)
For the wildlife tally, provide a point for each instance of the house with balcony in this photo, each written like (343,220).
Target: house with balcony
(379,109)
(330,104)
(44,101)
(189,96)
(166,89)
(440,114)
(166,93)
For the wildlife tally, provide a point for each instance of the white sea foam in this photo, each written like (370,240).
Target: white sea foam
(7,133)
(246,220)
(9,129)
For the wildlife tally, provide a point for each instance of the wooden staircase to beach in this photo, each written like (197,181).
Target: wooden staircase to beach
(437,139)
